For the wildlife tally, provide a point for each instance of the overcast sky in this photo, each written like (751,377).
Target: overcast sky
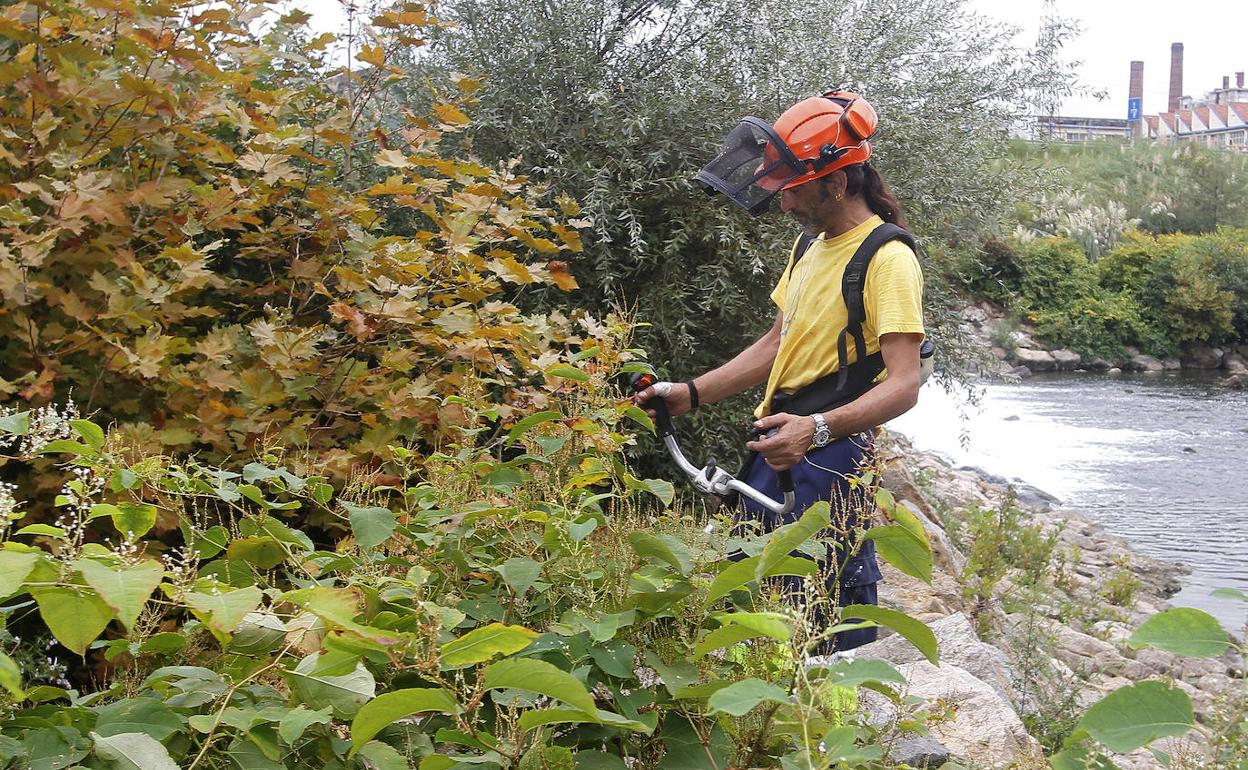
(1114,32)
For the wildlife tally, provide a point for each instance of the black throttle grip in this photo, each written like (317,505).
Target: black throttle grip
(662,416)
(786,481)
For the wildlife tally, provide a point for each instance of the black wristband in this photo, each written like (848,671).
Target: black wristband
(693,395)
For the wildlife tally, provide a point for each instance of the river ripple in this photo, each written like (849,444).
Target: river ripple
(1160,459)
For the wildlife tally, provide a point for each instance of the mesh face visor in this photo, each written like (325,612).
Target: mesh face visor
(752,166)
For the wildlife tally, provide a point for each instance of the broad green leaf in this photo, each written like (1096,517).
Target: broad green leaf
(437,762)
(125,589)
(1183,631)
(549,716)
(11,677)
(133,751)
(639,416)
(588,759)
(530,422)
(770,624)
(707,747)
(914,631)
(263,551)
(75,616)
(15,424)
(532,675)
(852,673)
(723,636)
(578,531)
(383,756)
(346,694)
(1134,716)
(63,446)
(900,547)
(739,698)
(520,573)
(745,571)
(1229,593)
(664,548)
(295,722)
(788,538)
(47,530)
(224,610)
(485,643)
(134,520)
(138,715)
(338,607)
(568,372)
(660,488)
(90,432)
(15,566)
(371,525)
(385,709)
(677,675)
(615,657)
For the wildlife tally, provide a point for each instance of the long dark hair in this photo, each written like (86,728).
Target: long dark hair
(863,179)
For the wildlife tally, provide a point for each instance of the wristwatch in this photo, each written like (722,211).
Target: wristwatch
(822,434)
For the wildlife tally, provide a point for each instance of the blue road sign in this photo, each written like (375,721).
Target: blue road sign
(1134,108)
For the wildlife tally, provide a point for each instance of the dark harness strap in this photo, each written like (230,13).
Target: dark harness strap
(849,380)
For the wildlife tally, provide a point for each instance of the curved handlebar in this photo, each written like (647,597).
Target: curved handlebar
(710,479)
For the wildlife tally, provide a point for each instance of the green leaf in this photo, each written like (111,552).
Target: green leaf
(660,488)
(386,709)
(383,756)
(11,677)
(549,716)
(639,416)
(263,551)
(133,751)
(615,657)
(707,747)
(530,422)
(132,520)
(788,538)
(372,525)
(723,636)
(532,675)
(63,446)
(568,372)
(47,530)
(127,589)
(677,675)
(90,432)
(15,424)
(589,759)
(223,611)
(1182,631)
(345,694)
(769,624)
(745,571)
(75,616)
(739,698)
(15,566)
(1229,593)
(852,673)
(138,715)
(520,573)
(914,631)
(482,644)
(900,547)
(664,548)
(578,531)
(295,723)
(1134,716)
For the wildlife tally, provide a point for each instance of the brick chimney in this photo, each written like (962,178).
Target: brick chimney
(1136,91)
(1176,76)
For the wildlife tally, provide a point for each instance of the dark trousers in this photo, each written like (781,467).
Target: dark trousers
(824,475)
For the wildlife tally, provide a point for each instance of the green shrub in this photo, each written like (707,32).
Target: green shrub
(1100,325)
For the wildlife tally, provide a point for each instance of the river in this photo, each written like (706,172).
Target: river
(1159,459)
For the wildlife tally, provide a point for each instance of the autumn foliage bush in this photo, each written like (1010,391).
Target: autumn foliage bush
(212,238)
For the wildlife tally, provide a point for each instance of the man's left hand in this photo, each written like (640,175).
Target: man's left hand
(790,443)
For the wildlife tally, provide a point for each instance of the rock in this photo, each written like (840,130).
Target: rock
(1021,372)
(1234,363)
(1035,360)
(898,591)
(999,353)
(960,646)
(1171,364)
(1033,497)
(984,729)
(1236,382)
(1021,339)
(1114,371)
(974,315)
(1083,653)
(1067,360)
(1012,418)
(1142,363)
(919,751)
(1100,365)
(1201,357)
(945,555)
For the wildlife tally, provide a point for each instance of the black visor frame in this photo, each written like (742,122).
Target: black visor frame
(742,163)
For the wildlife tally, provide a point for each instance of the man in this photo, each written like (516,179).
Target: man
(824,393)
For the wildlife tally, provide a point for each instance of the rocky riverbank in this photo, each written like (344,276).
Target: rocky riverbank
(1018,354)
(1025,647)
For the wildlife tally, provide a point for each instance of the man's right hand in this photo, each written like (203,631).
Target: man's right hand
(677,397)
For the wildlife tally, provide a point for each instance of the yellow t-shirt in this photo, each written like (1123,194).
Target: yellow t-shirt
(809,296)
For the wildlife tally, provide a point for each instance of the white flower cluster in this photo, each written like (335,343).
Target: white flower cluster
(47,423)
(179,564)
(8,503)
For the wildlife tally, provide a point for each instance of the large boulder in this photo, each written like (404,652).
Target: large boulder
(1035,360)
(1066,360)
(984,730)
(1201,357)
(1141,362)
(1235,363)
(960,646)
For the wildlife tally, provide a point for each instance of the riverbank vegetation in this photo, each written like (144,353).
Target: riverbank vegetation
(316,451)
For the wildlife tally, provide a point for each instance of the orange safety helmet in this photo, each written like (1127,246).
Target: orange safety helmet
(810,140)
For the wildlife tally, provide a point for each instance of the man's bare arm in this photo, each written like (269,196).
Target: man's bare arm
(892,397)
